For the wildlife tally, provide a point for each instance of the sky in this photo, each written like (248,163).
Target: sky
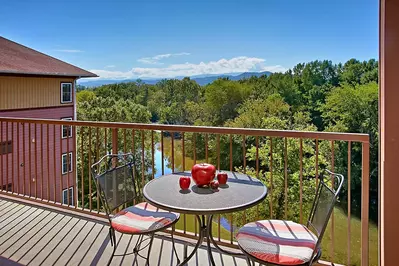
(124,39)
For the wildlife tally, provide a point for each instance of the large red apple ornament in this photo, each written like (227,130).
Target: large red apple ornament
(203,174)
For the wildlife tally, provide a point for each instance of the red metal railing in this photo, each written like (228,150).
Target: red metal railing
(35,169)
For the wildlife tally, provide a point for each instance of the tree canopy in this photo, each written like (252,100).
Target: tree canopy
(313,96)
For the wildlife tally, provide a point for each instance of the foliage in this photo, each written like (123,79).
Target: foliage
(317,95)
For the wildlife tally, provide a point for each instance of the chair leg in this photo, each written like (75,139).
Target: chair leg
(149,249)
(113,243)
(174,246)
(136,248)
(249,262)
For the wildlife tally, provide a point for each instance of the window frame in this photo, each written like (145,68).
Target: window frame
(70,170)
(70,128)
(62,92)
(65,199)
(6,147)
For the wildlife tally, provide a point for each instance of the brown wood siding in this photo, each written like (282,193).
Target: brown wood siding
(30,92)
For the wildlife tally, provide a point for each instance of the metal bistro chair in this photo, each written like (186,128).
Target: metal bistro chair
(117,187)
(278,242)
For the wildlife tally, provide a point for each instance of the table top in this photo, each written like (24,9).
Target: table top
(240,192)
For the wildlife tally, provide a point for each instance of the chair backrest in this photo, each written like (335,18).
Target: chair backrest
(323,205)
(115,182)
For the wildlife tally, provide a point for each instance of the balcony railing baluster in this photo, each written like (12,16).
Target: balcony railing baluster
(285,180)
(82,136)
(18,161)
(332,214)
(271,179)
(206,148)
(48,160)
(257,168)
(98,156)
(152,155)
(1,158)
(68,163)
(41,162)
(12,159)
(6,155)
(89,170)
(142,157)
(162,154)
(54,164)
(317,162)
(349,201)
(300,179)
(82,143)
(172,134)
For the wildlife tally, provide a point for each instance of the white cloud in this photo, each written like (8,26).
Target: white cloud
(69,50)
(222,66)
(154,60)
(276,68)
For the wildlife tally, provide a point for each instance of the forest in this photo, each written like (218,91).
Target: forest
(314,96)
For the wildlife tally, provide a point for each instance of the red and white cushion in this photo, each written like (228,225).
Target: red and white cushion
(278,242)
(142,218)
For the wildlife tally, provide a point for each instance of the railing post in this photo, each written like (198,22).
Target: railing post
(114,162)
(365,203)
(114,141)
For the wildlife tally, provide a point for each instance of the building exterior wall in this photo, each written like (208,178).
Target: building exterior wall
(17,92)
(34,166)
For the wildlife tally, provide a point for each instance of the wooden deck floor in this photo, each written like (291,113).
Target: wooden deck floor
(33,235)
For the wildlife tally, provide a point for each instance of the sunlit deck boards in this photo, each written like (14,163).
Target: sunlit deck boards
(33,235)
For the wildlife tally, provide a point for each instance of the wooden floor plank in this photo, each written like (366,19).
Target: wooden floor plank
(15,213)
(97,249)
(45,243)
(81,252)
(38,236)
(5,208)
(52,249)
(22,228)
(16,252)
(68,254)
(53,257)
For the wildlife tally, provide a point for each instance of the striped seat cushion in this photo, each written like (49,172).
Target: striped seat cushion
(278,242)
(142,218)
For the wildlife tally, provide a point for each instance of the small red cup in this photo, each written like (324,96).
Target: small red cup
(222,178)
(184,182)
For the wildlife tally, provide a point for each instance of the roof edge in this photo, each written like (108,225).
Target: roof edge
(22,73)
(89,75)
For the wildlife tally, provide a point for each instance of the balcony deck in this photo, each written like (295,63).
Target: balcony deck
(37,235)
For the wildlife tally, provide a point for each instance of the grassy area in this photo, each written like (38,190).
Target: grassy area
(341,241)
(340,254)
(191,226)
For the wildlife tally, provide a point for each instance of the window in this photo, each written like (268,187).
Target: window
(66,165)
(7,187)
(66,92)
(66,130)
(5,147)
(65,196)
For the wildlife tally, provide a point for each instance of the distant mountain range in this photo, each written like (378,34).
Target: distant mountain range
(200,79)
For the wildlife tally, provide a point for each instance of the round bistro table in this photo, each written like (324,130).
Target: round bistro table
(241,192)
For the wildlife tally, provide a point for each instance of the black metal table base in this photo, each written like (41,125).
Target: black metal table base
(205,231)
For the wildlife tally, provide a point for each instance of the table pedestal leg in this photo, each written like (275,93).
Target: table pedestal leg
(210,237)
(205,230)
(202,233)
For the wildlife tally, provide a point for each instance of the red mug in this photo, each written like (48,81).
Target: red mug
(184,182)
(222,178)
